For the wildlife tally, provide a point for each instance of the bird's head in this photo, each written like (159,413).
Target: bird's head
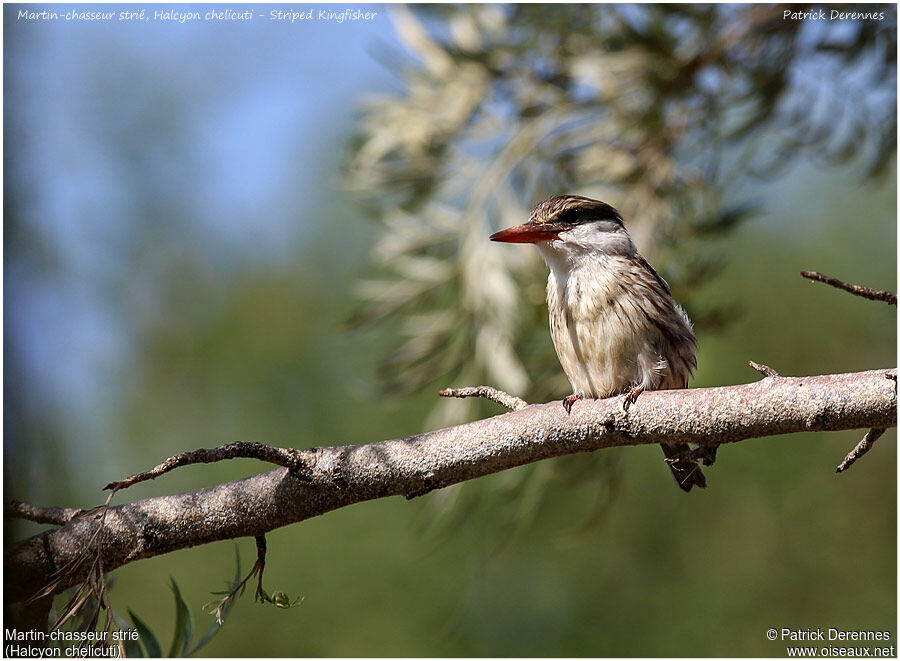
(571,223)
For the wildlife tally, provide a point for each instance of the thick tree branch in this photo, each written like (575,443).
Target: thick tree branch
(344,475)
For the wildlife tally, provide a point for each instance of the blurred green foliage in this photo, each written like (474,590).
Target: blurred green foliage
(658,109)
(594,555)
(676,114)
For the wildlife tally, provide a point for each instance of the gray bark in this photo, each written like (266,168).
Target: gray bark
(332,477)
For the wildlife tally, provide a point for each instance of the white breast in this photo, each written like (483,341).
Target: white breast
(605,318)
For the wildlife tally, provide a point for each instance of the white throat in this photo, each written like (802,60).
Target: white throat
(586,246)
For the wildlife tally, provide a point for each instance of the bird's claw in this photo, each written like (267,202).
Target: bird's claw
(704,453)
(631,395)
(569,401)
(707,453)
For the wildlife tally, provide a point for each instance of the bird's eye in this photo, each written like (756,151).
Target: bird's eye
(598,213)
(570,217)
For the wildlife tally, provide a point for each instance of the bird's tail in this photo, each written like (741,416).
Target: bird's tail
(687,473)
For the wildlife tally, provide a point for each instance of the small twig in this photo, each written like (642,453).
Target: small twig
(218,607)
(857,290)
(56,515)
(861,448)
(287,457)
(94,587)
(511,402)
(95,582)
(765,370)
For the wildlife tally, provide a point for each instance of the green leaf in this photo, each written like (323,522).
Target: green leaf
(132,648)
(237,566)
(281,600)
(184,624)
(213,629)
(146,637)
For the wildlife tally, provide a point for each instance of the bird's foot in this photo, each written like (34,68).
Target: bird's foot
(707,453)
(631,395)
(704,453)
(687,474)
(569,401)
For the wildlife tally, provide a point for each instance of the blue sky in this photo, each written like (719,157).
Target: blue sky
(243,110)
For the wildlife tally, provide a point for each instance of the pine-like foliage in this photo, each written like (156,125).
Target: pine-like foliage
(656,109)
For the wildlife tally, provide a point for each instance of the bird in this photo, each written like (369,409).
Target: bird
(613,321)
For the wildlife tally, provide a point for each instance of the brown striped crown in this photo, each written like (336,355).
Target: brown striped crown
(573,210)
